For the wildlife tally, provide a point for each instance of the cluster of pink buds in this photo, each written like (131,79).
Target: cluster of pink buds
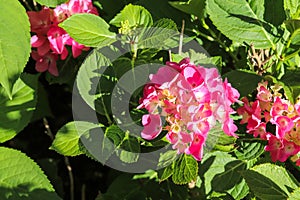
(191,99)
(49,39)
(271,111)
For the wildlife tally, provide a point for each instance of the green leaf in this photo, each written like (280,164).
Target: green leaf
(291,80)
(89,29)
(14,43)
(16,113)
(194,7)
(214,167)
(165,173)
(125,146)
(130,149)
(22,178)
(258,8)
(135,15)
(67,139)
(159,35)
(279,175)
(269,181)
(167,158)
(295,195)
(230,177)
(89,75)
(262,186)
(292,8)
(240,190)
(185,170)
(274,12)
(243,81)
(51,3)
(239,22)
(249,150)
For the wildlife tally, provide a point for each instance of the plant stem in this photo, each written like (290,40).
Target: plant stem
(66,159)
(181,38)
(27,5)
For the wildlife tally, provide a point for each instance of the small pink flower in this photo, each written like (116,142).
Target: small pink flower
(40,22)
(196,147)
(58,38)
(283,124)
(278,107)
(152,126)
(46,62)
(263,93)
(41,43)
(280,149)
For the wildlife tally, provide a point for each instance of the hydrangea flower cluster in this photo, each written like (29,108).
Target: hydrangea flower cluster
(271,111)
(191,99)
(49,39)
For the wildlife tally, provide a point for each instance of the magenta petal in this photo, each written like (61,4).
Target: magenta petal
(152,126)
(76,51)
(44,49)
(41,65)
(196,147)
(163,75)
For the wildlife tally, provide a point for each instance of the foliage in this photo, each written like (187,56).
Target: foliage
(90,109)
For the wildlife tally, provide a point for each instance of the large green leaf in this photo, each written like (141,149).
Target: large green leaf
(135,15)
(67,139)
(21,178)
(215,171)
(230,177)
(159,35)
(16,113)
(238,21)
(51,3)
(269,181)
(262,186)
(278,175)
(244,82)
(185,170)
(194,7)
(14,43)
(89,75)
(89,29)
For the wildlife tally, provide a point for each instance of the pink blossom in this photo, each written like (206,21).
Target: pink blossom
(49,39)
(280,149)
(41,43)
(284,124)
(40,22)
(278,107)
(196,147)
(192,99)
(152,126)
(46,62)
(58,38)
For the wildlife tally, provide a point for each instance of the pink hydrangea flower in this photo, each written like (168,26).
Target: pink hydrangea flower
(192,99)
(271,108)
(49,38)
